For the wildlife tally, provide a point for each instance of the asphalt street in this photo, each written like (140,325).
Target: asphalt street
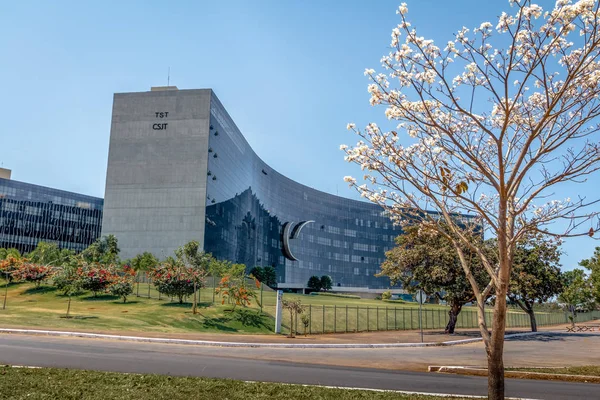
(181,360)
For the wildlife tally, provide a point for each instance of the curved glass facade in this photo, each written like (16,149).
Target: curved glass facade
(258,217)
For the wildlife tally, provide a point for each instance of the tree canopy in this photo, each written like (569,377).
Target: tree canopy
(536,275)
(265,275)
(429,261)
(104,250)
(577,292)
(593,265)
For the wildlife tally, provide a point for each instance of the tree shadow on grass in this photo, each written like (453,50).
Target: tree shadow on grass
(218,323)
(127,303)
(185,305)
(177,304)
(249,318)
(100,297)
(78,317)
(39,290)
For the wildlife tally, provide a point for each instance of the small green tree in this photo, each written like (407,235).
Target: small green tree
(266,275)
(305,321)
(314,283)
(49,254)
(144,262)
(593,265)
(536,275)
(104,250)
(577,292)
(386,295)
(122,288)
(66,279)
(4,253)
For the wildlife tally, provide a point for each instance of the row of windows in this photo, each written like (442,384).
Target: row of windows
(30,214)
(250,203)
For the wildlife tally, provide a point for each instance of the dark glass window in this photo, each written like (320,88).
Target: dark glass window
(30,214)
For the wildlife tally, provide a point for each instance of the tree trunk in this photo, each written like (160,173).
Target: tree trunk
(453,314)
(495,350)
(194,308)
(533,321)
(180,299)
(69,306)
(528,308)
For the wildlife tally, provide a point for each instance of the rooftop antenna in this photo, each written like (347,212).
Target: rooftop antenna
(169,76)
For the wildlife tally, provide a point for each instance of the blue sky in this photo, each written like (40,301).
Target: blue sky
(290,73)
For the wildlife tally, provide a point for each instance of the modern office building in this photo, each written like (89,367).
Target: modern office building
(30,214)
(179,169)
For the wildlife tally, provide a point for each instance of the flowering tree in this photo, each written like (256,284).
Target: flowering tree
(235,287)
(35,273)
(96,277)
(176,280)
(9,266)
(200,264)
(123,282)
(497,119)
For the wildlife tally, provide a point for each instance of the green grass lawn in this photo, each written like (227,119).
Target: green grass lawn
(589,370)
(50,383)
(46,308)
(151,312)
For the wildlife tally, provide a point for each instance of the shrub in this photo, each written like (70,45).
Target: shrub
(35,273)
(122,288)
(346,296)
(399,301)
(387,295)
(96,277)
(305,318)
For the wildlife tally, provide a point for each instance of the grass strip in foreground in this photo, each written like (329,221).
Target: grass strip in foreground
(588,370)
(54,383)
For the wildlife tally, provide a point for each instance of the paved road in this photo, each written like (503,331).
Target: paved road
(197,361)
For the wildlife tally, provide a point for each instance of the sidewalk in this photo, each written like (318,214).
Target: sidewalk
(375,337)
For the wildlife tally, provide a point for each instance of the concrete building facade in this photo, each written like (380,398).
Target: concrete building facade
(156,175)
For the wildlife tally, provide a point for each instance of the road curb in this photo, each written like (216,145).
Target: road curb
(479,371)
(211,343)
